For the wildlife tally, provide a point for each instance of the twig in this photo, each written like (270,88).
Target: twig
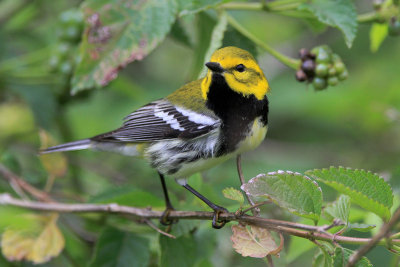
(255,211)
(288,61)
(152,225)
(297,229)
(269,260)
(255,206)
(14,180)
(384,231)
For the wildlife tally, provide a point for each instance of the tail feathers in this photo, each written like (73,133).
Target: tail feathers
(76,145)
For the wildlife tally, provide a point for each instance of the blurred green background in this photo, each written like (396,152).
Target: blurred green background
(355,124)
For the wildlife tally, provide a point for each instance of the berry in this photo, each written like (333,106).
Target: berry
(332,81)
(343,76)
(321,70)
(339,67)
(319,84)
(323,56)
(301,76)
(65,68)
(54,61)
(308,66)
(331,72)
(63,49)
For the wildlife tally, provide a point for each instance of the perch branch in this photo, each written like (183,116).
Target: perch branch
(291,228)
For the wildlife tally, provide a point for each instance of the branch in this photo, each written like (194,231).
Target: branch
(20,185)
(291,228)
(384,232)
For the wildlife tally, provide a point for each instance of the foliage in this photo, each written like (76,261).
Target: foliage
(55,55)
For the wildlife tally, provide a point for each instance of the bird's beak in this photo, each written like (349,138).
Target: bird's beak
(215,67)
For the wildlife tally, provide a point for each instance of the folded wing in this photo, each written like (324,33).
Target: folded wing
(161,120)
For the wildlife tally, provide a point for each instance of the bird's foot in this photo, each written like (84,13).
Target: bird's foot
(217,222)
(165,220)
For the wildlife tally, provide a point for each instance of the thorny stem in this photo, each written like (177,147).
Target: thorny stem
(291,228)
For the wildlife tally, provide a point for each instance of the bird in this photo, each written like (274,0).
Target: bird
(200,125)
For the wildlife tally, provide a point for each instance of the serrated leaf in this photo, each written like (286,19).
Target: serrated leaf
(217,36)
(233,194)
(252,241)
(342,255)
(292,191)
(54,163)
(340,14)
(118,32)
(377,35)
(38,243)
(122,249)
(364,188)
(340,209)
(178,252)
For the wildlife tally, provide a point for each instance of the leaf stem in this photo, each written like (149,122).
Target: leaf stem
(288,61)
(368,17)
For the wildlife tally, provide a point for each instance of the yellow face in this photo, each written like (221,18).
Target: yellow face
(240,70)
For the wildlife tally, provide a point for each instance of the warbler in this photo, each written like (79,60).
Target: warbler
(202,124)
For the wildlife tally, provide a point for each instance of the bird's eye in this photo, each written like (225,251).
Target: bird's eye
(240,68)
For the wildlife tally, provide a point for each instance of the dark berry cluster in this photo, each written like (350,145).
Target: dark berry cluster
(321,67)
(69,31)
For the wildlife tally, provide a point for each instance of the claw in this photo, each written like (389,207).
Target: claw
(165,220)
(217,223)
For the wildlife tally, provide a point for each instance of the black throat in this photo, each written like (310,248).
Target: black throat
(236,111)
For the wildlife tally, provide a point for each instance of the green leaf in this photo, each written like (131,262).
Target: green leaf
(342,255)
(340,14)
(323,256)
(364,188)
(178,252)
(322,259)
(377,35)
(178,32)
(297,247)
(233,194)
(361,227)
(205,25)
(119,32)
(128,196)
(216,40)
(340,209)
(122,249)
(293,191)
